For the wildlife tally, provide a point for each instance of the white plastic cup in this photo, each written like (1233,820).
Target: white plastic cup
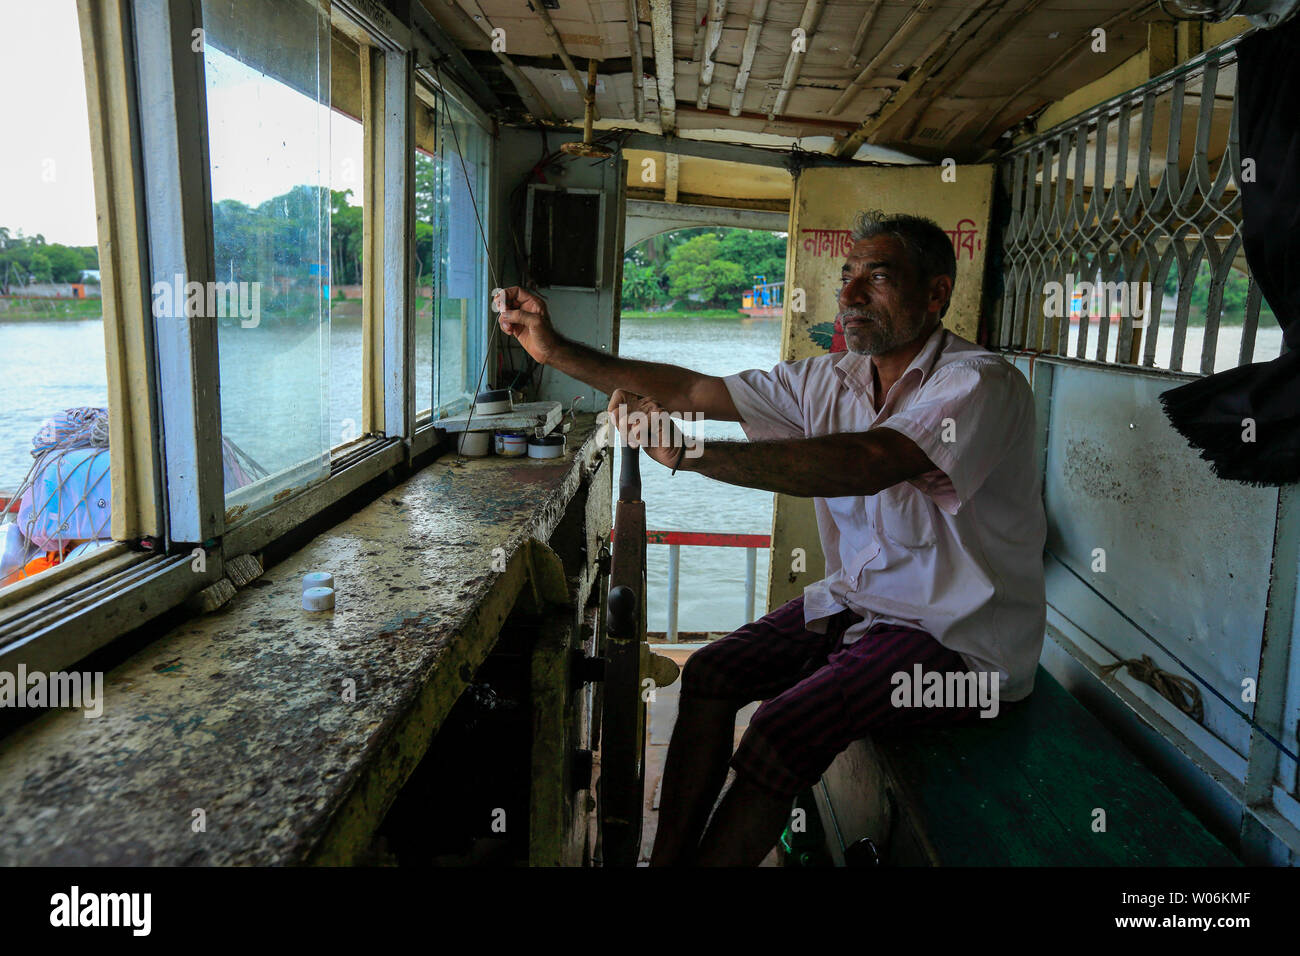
(317,579)
(318,599)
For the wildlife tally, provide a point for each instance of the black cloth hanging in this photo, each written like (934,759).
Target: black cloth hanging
(1212,412)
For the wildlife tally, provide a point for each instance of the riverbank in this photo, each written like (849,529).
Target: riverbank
(48,310)
(728,314)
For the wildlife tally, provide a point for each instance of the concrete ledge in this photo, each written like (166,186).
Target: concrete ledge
(245,715)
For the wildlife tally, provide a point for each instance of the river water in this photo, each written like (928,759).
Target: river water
(711,590)
(49,366)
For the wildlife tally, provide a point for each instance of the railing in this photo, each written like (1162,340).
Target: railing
(711,539)
(764,295)
(1095,198)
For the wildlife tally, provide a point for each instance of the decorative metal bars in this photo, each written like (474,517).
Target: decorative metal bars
(1138,196)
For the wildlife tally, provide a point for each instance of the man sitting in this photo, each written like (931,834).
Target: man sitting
(917,447)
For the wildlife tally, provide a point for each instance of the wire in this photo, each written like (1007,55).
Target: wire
(487,252)
(1149,636)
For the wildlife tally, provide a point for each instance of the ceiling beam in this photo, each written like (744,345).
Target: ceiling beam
(1067,57)
(533,100)
(694,199)
(954,34)
(638,67)
(710,215)
(433,43)
(717,14)
(756,16)
(861,36)
(661,29)
(914,19)
(701,15)
(579,81)
(997,36)
(730,152)
(812,14)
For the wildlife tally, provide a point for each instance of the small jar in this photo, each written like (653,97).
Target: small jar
(511,444)
(549,446)
(473,444)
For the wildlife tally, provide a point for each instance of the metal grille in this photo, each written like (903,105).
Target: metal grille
(1142,189)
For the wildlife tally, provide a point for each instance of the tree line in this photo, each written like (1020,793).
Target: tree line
(706,267)
(30,260)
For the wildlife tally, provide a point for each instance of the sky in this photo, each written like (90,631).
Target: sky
(45,175)
(268,132)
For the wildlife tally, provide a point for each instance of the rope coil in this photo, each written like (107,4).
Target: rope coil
(1179,691)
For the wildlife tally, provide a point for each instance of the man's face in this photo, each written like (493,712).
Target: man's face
(883,302)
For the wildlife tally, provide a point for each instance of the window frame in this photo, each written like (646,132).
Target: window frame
(436,85)
(148,116)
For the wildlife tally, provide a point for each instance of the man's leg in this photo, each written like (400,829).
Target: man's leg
(754,662)
(745,827)
(694,772)
(794,736)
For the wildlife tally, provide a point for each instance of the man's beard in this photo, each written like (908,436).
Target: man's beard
(878,337)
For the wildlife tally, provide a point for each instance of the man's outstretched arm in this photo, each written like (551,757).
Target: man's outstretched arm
(524,316)
(825,466)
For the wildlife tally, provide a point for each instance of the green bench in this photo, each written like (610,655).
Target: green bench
(1023,789)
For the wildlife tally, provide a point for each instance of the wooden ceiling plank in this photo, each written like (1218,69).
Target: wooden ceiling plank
(1067,57)
(812,14)
(717,16)
(997,36)
(756,17)
(533,99)
(861,36)
(661,30)
(925,65)
(638,68)
(914,19)
(579,82)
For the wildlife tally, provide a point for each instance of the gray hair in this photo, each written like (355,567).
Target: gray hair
(927,244)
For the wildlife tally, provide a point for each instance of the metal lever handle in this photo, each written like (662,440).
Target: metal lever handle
(621,612)
(629,475)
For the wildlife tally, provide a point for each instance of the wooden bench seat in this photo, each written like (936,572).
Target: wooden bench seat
(1022,789)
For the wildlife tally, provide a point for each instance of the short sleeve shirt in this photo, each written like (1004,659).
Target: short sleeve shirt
(956,552)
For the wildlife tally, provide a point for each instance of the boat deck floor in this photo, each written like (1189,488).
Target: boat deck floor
(662,716)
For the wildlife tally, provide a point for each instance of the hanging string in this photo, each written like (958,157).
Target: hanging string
(478,218)
(487,252)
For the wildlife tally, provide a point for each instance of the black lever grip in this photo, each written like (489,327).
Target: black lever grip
(621,612)
(629,475)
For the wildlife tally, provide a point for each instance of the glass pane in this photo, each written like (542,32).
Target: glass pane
(345,279)
(426,201)
(55,496)
(267,69)
(461,283)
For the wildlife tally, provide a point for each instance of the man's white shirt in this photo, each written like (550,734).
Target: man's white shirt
(957,552)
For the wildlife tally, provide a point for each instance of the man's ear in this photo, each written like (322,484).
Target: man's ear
(941,293)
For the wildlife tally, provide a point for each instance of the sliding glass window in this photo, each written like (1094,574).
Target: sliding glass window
(345,278)
(269,123)
(452,205)
(56,494)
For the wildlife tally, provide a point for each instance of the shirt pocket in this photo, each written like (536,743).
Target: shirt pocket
(906,516)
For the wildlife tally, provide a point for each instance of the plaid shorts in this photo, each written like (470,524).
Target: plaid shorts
(818,696)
